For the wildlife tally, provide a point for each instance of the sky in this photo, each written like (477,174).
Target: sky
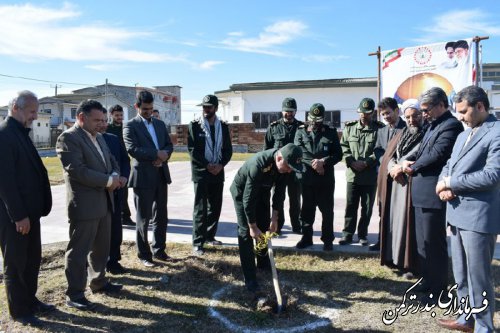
(205,46)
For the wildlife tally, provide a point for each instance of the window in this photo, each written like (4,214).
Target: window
(46,124)
(236,118)
(38,124)
(73,113)
(47,110)
(332,118)
(263,119)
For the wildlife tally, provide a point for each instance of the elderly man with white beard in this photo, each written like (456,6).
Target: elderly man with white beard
(398,244)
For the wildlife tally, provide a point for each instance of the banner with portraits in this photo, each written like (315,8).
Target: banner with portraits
(408,72)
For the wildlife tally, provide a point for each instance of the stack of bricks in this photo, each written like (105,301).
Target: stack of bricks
(241,134)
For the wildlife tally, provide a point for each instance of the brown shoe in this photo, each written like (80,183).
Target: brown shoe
(452,324)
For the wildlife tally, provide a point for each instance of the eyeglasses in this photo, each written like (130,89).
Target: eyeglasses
(427,110)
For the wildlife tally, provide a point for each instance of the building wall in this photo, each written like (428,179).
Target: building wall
(40,133)
(243,104)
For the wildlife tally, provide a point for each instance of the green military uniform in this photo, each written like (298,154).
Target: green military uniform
(279,133)
(257,174)
(320,142)
(208,188)
(358,143)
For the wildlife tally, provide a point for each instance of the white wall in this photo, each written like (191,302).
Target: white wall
(41,130)
(243,103)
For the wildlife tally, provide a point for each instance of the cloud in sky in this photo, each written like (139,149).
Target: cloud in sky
(268,41)
(208,65)
(35,33)
(459,24)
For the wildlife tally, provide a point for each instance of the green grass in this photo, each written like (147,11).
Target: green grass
(354,284)
(54,167)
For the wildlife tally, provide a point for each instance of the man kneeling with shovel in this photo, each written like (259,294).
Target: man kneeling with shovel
(260,173)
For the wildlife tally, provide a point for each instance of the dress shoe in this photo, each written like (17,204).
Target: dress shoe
(115,268)
(148,263)
(109,288)
(40,307)
(30,320)
(198,251)
(374,247)
(127,221)
(363,241)
(214,242)
(303,243)
(409,276)
(345,240)
(81,304)
(328,247)
(452,324)
(162,256)
(297,231)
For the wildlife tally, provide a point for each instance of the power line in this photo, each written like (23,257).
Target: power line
(46,81)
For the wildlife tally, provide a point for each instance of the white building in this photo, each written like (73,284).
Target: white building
(260,102)
(40,133)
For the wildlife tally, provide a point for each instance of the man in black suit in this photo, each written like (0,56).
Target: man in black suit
(147,141)
(425,167)
(118,151)
(24,197)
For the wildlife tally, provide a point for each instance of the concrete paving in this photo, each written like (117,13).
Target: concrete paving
(180,208)
(54,227)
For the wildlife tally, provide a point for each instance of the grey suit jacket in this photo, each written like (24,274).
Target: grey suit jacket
(86,174)
(475,179)
(141,147)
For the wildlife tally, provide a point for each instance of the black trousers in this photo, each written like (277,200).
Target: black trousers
(206,212)
(355,194)
(321,196)
(151,205)
(116,227)
(430,229)
(294,191)
(125,208)
(245,241)
(21,265)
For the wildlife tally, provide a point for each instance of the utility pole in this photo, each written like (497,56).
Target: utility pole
(106,94)
(479,64)
(378,53)
(56,86)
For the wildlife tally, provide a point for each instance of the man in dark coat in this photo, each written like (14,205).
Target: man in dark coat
(118,151)
(424,166)
(147,141)
(24,197)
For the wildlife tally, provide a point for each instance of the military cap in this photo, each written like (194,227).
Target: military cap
(209,100)
(316,112)
(367,105)
(289,105)
(293,157)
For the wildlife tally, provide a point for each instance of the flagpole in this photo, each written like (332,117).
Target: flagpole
(477,40)
(378,78)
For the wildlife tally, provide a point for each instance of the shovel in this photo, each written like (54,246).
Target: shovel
(279,299)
